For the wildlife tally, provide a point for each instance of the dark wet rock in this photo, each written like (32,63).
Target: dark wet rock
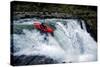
(31,60)
(92,31)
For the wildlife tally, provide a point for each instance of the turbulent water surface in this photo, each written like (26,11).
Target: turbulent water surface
(71,41)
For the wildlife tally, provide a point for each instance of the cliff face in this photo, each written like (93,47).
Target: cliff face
(47,10)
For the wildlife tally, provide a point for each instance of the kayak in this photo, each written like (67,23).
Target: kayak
(41,27)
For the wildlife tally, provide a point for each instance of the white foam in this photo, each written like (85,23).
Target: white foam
(69,44)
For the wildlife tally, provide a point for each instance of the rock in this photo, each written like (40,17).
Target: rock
(31,60)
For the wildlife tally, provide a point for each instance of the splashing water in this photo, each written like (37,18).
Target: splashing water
(70,43)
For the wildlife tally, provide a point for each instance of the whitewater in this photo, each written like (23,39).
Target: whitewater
(70,42)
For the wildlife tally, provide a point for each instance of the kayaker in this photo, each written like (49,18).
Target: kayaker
(44,28)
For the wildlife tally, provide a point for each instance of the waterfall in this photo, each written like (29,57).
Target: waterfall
(83,25)
(74,40)
(70,42)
